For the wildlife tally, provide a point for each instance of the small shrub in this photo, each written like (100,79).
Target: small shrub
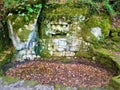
(45,54)
(109,8)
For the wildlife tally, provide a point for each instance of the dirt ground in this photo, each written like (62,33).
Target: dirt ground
(75,74)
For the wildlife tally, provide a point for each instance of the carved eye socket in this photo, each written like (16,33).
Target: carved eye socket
(66,25)
(61,25)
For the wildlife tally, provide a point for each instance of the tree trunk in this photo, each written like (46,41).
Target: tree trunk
(1,12)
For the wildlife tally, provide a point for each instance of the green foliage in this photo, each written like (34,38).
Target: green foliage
(37,50)
(115,82)
(6,63)
(109,8)
(68,10)
(116,5)
(83,54)
(98,0)
(1,73)
(93,8)
(43,49)
(118,13)
(10,2)
(45,53)
(30,10)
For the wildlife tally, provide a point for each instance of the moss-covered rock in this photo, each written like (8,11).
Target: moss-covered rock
(111,61)
(103,56)
(20,27)
(22,20)
(83,54)
(30,83)
(6,62)
(8,80)
(115,82)
(100,21)
(116,59)
(54,11)
(45,53)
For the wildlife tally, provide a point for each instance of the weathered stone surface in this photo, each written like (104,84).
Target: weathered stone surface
(69,53)
(19,85)
(60,44)
(21,28)
(23,33)
(96,31)
(57,54)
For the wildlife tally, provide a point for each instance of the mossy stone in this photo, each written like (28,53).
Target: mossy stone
(83,54)
(45,53)
(116,59)
(21,27)
(62,87)
(8,80)
(115,82)
(100,21)
(30,83)
(67,10)
(103,56)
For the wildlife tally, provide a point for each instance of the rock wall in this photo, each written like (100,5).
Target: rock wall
(23,32)
(64,29)
(63,34)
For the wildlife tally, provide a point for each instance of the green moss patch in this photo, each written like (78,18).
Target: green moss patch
(6,63)
(8,80)
(111,61)
(57,11)
(100,21)
(103,56)
(30,83)
(115,82)
(116,59)
(83,54)
(18,24)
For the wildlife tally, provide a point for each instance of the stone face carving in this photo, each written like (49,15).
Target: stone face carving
(60,36)
(65,39)
(57,28)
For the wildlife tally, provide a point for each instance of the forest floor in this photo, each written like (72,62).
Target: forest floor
(79,73)
(116,22)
